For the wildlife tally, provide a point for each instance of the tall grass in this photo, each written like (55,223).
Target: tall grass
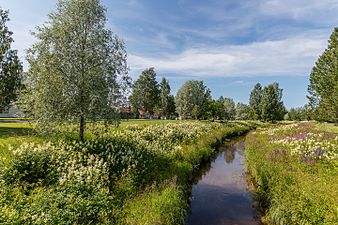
(134,174)
(294,187)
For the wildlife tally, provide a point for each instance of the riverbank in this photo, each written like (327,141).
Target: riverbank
(294,170)
(136,174)
(168,204)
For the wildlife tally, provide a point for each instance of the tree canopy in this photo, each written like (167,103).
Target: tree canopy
(145,94)
(167,101)
(323,88)
(255,101)
(10,66)
(242,111)
(229,107)
(191,99)
(272,106)
(77,67)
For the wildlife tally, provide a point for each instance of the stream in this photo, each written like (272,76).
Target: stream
(220,195)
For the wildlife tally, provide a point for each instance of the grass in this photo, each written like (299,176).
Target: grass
(328,127)
(14,134)
(158,196)
(167,204)
(294,187)
(13,118)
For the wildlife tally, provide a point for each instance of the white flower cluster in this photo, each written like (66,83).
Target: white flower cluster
(279,129)
(168,137)
(95,162)
(307,144)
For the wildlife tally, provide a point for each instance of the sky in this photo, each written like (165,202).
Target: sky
(229,44)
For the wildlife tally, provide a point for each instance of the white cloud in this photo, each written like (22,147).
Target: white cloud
(311,10)
(292,56)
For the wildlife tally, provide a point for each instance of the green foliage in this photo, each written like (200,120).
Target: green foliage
(242,111)
(255,101)
(106,180)
(167,101)
(323,88)
(300,113)
(266,104)
(10,66)
(146,93)
(191,99)
(29,166)
(211,109)
(294,169)
(77,68)
(229,108)
(157,206)
(272,106)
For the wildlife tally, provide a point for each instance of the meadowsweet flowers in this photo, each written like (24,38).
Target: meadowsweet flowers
(316,145)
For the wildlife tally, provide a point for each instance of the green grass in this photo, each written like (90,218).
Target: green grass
(157,197)
(328,127)
(293,189)
(145,122)
(162,205)
(13,118)
(167,204)
(14,134)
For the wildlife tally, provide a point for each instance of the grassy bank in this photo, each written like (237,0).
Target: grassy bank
(295,171)
(135,174)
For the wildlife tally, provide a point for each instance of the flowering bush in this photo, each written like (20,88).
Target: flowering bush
(83,183)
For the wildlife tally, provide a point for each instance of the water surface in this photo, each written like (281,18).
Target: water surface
(220,196)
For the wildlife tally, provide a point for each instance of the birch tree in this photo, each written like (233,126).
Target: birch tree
(77,67)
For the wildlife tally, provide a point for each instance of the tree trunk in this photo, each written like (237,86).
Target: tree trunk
(82,127)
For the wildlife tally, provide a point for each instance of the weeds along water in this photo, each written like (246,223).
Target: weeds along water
(136,174)
(295,171)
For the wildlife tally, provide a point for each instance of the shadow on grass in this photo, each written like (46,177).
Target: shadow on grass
(15,131)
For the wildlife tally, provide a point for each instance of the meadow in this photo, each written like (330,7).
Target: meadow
(138,173)
(294,171)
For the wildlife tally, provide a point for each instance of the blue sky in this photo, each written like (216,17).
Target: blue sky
(230,44)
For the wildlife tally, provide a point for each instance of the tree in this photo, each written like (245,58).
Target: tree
(77,67)
(145,94)
(272,105)
(171,106)
(300,113)
(211,109)
(294,114)
(255,102)
(166,106)
(10,66)
(242,111)
(323,88)
(191,99)
(221,113)
(229,107)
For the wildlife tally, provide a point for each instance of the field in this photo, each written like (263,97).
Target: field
(138,173)
(294,169)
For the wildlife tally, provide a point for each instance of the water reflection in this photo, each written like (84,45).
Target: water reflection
(219,195)
(229,153)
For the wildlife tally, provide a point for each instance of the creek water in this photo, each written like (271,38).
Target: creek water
(220,195)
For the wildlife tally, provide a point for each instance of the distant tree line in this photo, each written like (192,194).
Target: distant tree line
(193,101)
(78,71)
(150,98)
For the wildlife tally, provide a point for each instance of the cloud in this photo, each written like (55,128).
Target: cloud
(309,10)
(293,56)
